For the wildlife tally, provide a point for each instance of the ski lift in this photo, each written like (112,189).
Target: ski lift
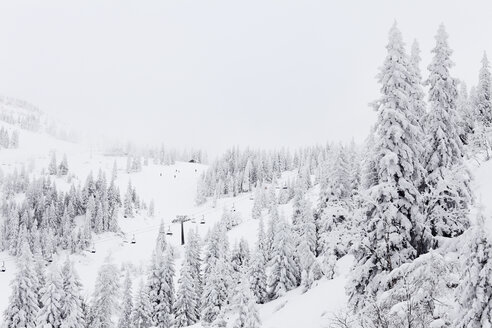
(193,220)
(2,268)
(50,259)
(133,239)
(233,207)
(169,232)
(202,220)
(93,249)
(251,197)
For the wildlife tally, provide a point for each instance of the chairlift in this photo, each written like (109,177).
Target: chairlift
(50,259)
(2,268)
(233,207)
(93,250)
(169,232)
(133,239)
(251,197)
(202,220)
(193,220)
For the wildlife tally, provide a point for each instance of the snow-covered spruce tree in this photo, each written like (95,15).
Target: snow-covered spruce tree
(105,301)
(474,292)
(447,192)
(141,313)
(151,209)
(240,256)
(50,314)
(52,167)
(215,290)
(466,115)
(284,272)
(483,101)
(63,167)
(161,243)
(257,271)
(128,202)
(186,305)
(126,304)
(248,316)
(393,219)
(161,288)
(72,304)
(419,106)
(23,307)
(194,262)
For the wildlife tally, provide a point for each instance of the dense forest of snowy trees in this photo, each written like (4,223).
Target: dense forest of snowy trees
(400,205)
(49,219)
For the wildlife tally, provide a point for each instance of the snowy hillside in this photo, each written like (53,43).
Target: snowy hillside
(173,189)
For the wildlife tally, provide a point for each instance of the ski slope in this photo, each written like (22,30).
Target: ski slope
(173,189)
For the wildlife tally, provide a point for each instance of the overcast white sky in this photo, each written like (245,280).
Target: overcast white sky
(213,74)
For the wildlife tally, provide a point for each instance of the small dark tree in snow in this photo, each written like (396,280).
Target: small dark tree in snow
(105,302)
(23,307)
(126,304)
(141,313)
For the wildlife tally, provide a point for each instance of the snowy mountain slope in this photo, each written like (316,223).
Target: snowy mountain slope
(173,189)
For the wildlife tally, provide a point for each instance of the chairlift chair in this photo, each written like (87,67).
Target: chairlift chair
(202,220)
(93,249)
(2,268)
(193,220)
(133,239)
(169,232)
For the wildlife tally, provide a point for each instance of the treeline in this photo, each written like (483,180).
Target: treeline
(241,171)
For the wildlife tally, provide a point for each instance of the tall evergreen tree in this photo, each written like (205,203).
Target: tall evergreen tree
(483,101)
(474,292)
(248,316)
(105,302)
(23,307)
(126,304)
(186,306)
(141,313)
(50,314)
(447,191)
(393,219)
(284,272)
(72,304)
